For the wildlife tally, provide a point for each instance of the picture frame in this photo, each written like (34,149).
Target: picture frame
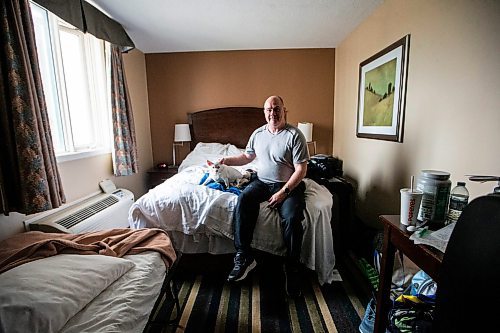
(382,93)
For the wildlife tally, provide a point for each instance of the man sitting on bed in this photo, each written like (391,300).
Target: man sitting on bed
(281,166)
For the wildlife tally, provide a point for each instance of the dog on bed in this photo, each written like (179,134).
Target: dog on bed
(225,174)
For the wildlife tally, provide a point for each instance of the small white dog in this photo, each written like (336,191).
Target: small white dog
(221,172)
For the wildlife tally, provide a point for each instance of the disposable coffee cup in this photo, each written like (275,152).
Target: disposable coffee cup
(410,204)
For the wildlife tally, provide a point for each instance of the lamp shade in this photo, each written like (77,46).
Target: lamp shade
(307,130)
(182,133)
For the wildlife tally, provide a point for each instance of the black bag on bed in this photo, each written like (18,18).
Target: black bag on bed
(324,166)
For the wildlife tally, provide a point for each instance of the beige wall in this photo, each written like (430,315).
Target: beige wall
(453,105)
(81,177)
(179,83)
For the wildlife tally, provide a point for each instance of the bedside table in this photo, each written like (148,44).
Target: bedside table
(342,211)
(156,176)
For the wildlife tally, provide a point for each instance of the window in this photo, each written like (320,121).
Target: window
(73,67)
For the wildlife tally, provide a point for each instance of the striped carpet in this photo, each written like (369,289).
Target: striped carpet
(260,304)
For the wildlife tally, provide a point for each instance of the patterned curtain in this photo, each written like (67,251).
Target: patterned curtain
(125,148)
(29,178)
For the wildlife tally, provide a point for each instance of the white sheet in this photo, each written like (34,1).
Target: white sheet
(181,205)
(126,304)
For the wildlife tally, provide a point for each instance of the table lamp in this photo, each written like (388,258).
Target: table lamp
(181,134)
(307,130)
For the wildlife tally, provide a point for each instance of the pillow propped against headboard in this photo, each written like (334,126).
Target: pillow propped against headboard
(232,125)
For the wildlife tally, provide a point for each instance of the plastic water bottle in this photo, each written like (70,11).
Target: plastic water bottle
(459,197)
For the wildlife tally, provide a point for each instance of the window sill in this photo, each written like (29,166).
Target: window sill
(66,157)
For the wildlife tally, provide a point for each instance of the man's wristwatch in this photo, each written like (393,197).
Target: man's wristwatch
(287,190)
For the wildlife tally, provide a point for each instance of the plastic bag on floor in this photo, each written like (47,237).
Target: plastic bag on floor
(410,315)
(413,310)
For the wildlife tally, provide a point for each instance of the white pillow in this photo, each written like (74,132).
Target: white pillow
(202,152)
(212,148)
(233,150)
(213,152)
(42,295)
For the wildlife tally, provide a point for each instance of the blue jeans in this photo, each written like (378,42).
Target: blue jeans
(291,211)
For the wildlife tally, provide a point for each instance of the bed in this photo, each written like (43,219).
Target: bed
(199,218)
(104,281)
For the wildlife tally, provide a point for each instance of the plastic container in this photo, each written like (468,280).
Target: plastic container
(459,198)
(436,187)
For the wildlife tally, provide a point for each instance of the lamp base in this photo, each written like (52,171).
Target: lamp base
(314,145)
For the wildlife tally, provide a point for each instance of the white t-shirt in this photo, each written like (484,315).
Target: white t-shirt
(277,153)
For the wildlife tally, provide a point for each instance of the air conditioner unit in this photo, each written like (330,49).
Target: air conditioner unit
(98,212)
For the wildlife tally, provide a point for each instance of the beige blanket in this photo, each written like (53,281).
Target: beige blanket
(33,245)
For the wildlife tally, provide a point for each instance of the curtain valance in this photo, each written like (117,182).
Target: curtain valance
(89,19)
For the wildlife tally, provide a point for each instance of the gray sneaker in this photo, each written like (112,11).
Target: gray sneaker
(243,264)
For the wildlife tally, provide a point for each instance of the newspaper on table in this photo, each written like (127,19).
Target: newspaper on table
(437,239)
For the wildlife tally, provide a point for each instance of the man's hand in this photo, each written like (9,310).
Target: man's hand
(295,179)
(277,198)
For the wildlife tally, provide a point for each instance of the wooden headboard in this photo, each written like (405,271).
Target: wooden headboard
(225,125)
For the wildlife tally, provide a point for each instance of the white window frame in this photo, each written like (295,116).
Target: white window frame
(97,90)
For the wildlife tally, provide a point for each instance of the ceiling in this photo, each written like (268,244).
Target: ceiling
(216,25)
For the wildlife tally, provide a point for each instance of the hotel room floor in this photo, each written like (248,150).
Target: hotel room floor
(259,303)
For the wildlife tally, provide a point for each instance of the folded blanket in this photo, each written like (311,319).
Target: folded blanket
(219,186)
(28,246)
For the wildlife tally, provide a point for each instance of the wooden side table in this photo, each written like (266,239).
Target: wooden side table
(156,176)
(425,257)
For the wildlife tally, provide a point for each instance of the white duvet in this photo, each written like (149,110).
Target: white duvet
(181,206)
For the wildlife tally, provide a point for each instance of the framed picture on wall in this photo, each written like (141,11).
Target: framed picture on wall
(382,93)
